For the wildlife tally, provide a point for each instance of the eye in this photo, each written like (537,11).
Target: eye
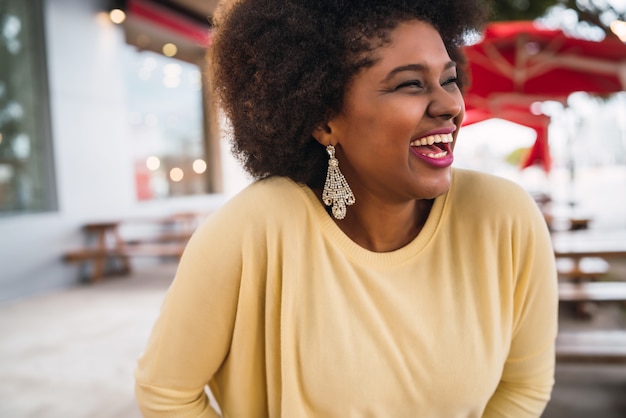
(415,84)
(451,80)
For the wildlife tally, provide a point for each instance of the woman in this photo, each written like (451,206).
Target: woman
(360,276)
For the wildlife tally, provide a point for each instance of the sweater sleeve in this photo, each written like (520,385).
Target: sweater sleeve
(192,335)
(528,373)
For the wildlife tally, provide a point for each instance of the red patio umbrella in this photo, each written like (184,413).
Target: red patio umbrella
(518,63)
(521,58)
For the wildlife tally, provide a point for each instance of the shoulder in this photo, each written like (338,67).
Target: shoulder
(486,199)
(273,207)
(267,196)
(479,181)
(489,191)
(263,202)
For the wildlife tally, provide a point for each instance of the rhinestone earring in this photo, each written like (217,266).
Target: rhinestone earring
(336,190)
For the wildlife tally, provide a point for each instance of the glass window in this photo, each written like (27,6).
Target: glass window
(26,170)
(167,126)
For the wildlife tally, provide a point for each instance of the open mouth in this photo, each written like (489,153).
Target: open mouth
(433,146)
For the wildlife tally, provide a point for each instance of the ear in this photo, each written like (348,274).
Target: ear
(322,133)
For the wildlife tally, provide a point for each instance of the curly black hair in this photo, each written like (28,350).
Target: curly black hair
(280,69)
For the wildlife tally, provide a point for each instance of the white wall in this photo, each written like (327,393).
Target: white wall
(94,169)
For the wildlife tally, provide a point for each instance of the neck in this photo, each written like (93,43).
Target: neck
(384,228)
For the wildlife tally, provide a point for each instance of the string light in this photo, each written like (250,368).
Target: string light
(153,163)
(199,166)
(117,16)
(176,174)
(618,27)
(169,49)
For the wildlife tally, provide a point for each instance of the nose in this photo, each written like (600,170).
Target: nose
(446,102)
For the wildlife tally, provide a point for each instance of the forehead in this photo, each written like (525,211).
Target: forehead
(412,42)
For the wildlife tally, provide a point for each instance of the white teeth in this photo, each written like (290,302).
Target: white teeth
(438,155)
(432,139)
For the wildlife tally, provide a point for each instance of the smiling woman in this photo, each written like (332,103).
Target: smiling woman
(360,275)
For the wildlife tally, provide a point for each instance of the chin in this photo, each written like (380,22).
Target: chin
(436,186)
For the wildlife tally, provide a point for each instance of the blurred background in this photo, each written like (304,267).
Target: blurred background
(111,152)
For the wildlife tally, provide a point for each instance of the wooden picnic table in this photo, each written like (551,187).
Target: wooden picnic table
(106,252)
(581,244)
(586,288)
(104,246)
(586,255)
(604,346)
(177,227)
(604,291)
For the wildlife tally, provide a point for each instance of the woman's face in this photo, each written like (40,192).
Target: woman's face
(408,98)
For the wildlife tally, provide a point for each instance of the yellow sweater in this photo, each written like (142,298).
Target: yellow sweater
(284,316)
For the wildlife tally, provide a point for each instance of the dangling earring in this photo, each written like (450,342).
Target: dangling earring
(336,189)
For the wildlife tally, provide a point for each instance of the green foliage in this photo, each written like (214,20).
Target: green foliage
(594,13)
(503,10)
(515,157)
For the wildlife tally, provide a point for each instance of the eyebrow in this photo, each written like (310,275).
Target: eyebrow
(415,67)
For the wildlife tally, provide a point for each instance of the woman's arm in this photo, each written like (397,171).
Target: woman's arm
(192,335)
(528,374)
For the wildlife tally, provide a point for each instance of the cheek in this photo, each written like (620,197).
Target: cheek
(389,121)
(400,118)
(366,126)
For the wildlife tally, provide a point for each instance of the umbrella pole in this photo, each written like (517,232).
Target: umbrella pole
(574,123)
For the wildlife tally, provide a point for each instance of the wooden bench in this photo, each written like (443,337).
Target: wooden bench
(97,263)
(584,268)
(165,249)
(166,242)
(566,223)
(578,223)
(591,346)
(163,237)
(587,295)
(592,292)
(108,262)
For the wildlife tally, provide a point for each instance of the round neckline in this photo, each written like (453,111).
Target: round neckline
(365,256)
